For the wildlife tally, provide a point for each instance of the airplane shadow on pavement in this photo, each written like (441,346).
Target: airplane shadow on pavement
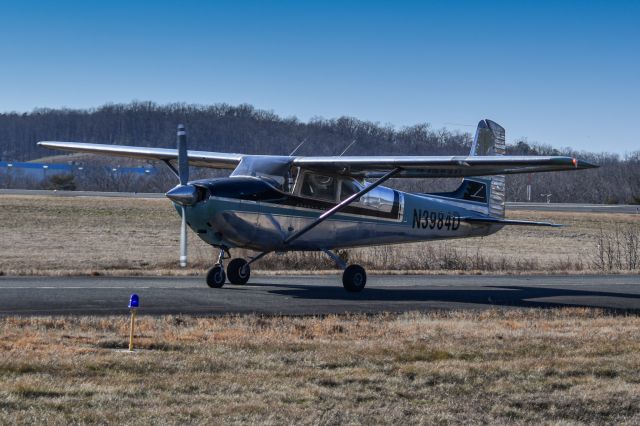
(498,296)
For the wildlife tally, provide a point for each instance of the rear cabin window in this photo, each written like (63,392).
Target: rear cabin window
(475,191)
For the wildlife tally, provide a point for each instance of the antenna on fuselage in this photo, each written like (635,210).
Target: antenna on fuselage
(347,148)
(297,147)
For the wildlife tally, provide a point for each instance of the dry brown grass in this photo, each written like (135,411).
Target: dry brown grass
(116,236)
(536,366)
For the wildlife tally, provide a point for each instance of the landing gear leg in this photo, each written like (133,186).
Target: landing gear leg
(216,276)
(354,277)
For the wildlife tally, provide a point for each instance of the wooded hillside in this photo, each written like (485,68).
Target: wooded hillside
(245,129)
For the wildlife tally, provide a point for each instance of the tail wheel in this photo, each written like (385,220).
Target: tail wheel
(238,271)
(216,277)
(354,278)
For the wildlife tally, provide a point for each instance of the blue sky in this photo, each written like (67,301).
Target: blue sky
(565,73)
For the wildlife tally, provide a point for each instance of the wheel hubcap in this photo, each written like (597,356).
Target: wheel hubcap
(357,280)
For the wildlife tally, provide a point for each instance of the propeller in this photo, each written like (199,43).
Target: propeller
(183,194)
(183,159)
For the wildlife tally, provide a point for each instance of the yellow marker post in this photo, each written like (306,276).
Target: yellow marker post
(131,328)
(134,302)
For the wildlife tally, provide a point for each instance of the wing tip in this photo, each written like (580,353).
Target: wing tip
(581,164)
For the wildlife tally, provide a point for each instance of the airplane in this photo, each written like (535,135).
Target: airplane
(272,203)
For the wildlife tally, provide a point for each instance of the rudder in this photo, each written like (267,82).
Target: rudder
(490,140)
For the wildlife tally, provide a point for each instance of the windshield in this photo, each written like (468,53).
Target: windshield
(276,169)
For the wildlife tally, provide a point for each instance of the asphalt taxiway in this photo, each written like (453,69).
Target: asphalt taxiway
(314,295)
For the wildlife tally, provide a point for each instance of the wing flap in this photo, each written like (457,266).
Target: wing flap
(216,160)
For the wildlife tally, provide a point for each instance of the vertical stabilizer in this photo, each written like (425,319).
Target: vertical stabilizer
(490,140)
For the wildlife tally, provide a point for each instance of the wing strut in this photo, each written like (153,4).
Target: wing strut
(173,169)
(335,209)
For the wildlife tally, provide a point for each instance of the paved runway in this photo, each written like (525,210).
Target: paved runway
(311,295)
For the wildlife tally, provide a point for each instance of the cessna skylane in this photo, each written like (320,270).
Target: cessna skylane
(273,203)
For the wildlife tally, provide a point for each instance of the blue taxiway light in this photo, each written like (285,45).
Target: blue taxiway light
(134,301)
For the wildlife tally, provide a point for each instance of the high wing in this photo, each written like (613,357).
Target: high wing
(217,160)
(361,167)
(439,167)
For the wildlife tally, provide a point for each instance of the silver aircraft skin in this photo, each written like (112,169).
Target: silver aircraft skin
(285,203)
(264,225)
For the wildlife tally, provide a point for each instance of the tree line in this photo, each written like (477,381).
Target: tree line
(245,129)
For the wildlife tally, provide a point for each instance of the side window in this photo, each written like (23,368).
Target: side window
(347,189)
(475,191)
(319,186)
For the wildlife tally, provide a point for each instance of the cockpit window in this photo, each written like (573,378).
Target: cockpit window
(319,186)
(347,189)
(338,188)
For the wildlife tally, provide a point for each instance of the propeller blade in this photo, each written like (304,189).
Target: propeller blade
(183,159)
(183,238)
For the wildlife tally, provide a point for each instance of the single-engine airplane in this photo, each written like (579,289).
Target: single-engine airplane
(275,203)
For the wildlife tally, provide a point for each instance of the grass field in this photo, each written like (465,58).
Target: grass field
(564,366)
(536,366)
(119,236)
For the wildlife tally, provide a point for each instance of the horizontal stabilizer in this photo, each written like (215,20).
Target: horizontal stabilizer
(491,220)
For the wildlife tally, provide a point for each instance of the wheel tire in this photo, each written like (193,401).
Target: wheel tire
(238,271)
(216,277)
(354,278)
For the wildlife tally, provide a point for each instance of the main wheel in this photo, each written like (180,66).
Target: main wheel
(238,271)
(354,278)
(216,277)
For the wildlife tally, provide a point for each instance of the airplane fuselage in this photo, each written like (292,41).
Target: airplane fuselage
(389,216)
